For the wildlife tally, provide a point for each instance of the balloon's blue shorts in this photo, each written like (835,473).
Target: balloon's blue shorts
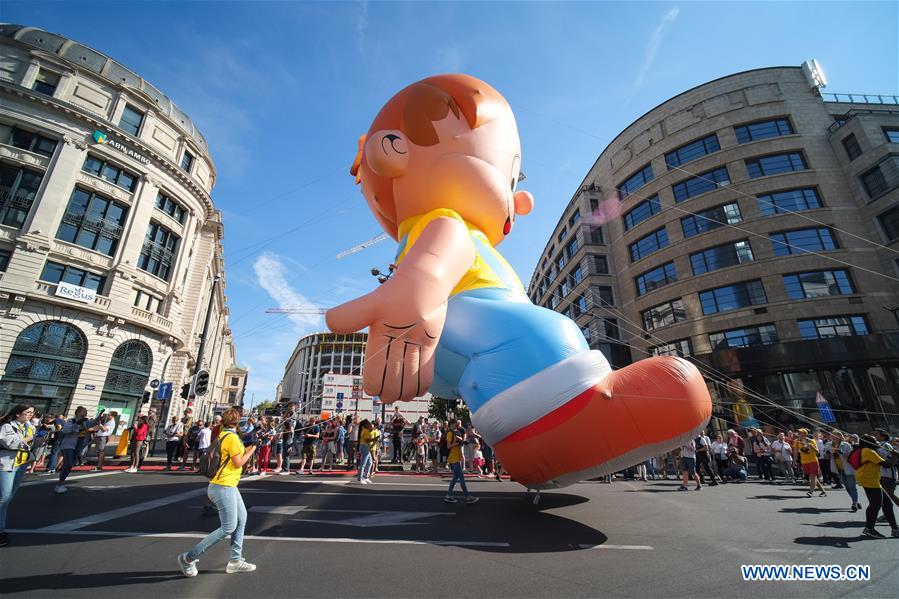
(496,338)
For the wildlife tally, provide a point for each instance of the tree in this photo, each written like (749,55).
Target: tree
(266,405)
(439,407)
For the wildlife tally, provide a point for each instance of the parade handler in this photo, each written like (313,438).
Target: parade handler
(439,169)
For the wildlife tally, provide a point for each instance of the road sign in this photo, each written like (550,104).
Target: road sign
(824,408)
(164,391)
(339,404)
(339,396)
(90,387)
(154,383)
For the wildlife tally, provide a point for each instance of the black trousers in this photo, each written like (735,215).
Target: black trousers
(721,464)
(704,464)
(171,452)
(765,469)
(877,500)
(397,448)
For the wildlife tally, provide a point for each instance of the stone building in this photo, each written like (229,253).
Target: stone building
(109,239)
(752,224)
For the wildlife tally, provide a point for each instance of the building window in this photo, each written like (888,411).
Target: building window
(235,381)
(93,222)
(821,283)
(802,241)
(732,297)
(891,134)
(882,178)
(655,278)
(55,273)
(609,328)
(594,205)
(600,265)
(721,256)
(562,234)
(792,200)
(834,326)
(581,304)
(46,82)
(170,207)
(115,175)
(635,182)
(585,330)
(713,218)
(18,188)
(764,334)
(681,348)
(850,144)
(158,254)
(577,275)
(131,120)
(694,186)
(232,397)
(664,315)
(889,222)
(763,130)
(147,301)
(775,164)
(26,140)
(572,248)
(560,261)
(187,160)
(575,218)
(648,244)
(692,151)
(596,237)
(642,211)
(563,288)
(602,296)
(4,259)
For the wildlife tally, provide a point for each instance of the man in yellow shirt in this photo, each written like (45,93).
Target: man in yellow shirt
(223,493)
(369,437)
(807,449)
(455,437)
(868,478)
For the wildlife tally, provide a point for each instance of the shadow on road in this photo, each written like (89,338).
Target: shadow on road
(838,542)
(68,580)
(844,524)
(778,497)
(812,510)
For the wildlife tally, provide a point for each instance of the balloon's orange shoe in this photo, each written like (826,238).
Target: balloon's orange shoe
(629,415)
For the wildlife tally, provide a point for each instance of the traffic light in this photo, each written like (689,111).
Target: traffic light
(185,390)
(201,383)
(145,398)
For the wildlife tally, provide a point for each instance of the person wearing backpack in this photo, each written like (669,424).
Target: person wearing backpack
(868,477)
(846,447)
(888,468)
(223,463)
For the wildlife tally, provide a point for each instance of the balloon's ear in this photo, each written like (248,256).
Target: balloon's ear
(387,153)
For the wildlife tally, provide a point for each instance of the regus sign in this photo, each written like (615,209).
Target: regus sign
(74,292)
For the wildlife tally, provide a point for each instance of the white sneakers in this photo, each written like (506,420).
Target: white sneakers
(60,489)
(241,565)
(189,569)
(131,470)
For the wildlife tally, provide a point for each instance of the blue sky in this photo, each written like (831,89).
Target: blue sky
(282,90)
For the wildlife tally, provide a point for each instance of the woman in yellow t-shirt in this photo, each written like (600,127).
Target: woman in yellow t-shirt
(808,452)
(223,493)
(16,438)
(868,478)
(369,437)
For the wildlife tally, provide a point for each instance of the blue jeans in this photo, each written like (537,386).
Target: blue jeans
(851,488)
(285,455)
(365,462)
(68,461)
(233,518)
(459,476)
(54,457)
(9,484)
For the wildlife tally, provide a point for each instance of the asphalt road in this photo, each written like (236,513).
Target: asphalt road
(117,534)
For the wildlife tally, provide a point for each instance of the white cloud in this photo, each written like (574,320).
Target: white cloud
(652,47)
(270,274)
(361,25)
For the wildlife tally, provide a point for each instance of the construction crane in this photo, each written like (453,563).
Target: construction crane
(364,245)
(315,311)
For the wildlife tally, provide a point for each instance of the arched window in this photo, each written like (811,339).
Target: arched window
(44,366)
(129,370)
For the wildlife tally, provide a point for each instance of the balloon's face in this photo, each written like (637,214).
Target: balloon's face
(473,172)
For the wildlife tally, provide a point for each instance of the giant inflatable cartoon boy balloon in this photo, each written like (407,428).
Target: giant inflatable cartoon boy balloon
(439,168)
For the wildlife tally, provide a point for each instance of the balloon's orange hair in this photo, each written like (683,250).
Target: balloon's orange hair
(413,110)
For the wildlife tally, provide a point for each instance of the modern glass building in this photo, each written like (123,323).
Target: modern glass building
(109,240)
(750,224)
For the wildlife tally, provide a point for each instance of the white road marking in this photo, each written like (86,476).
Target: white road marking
(387,518)
(624,547)
(405,495)
(54,479)
(124,512)
(281,510)
(192,535)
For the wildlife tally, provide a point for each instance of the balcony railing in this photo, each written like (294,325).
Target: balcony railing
(861,98)
(19,199)
(102,226)
(851,114)
(158,252)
